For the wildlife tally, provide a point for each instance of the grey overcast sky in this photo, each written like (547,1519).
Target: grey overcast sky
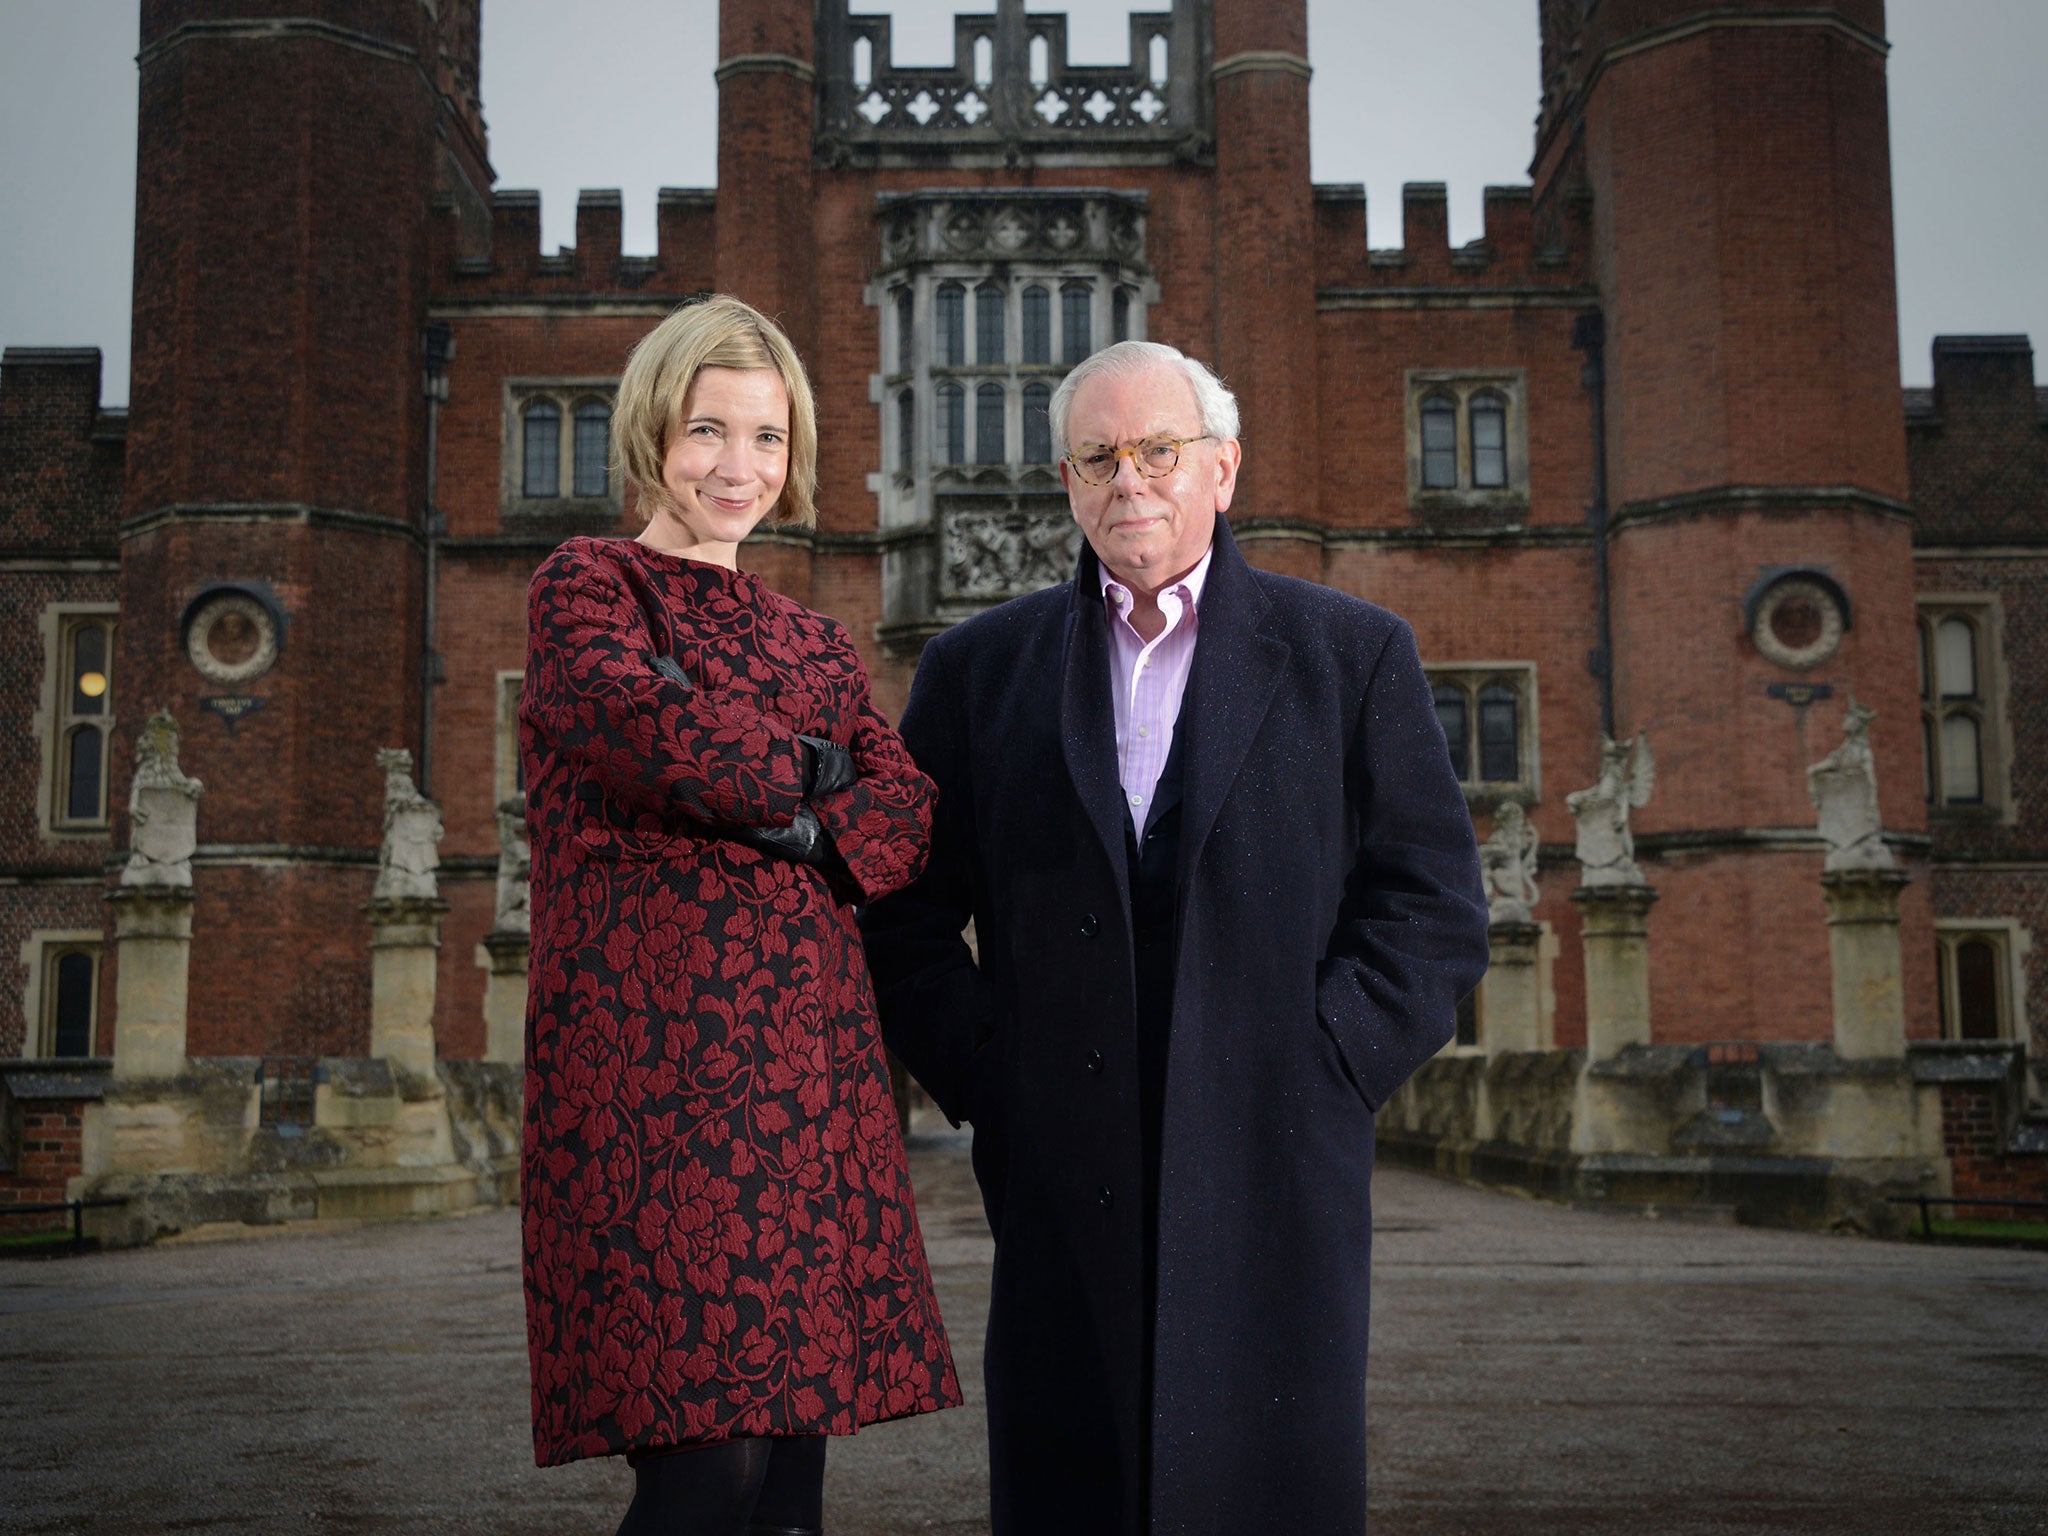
(618,93)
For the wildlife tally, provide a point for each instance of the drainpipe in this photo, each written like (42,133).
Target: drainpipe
(1589,335)
(439,351)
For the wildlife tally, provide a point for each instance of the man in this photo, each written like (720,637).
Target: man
(1226,897)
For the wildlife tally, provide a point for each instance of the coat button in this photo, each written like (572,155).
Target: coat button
(1091,925)
(1095,1061)
(1102,1195)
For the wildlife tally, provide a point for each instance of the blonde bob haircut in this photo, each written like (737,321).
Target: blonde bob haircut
(717,332)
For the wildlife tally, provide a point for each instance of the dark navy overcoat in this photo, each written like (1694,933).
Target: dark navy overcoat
(1330,915)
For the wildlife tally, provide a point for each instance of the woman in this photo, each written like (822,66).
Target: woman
(723,1263)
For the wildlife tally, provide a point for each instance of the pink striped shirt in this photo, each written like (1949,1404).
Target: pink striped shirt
(1147,678)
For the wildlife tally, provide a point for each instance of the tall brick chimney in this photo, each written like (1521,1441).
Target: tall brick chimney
(286,164)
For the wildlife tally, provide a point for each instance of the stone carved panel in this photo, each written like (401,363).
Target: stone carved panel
(987,555)
(1107,227)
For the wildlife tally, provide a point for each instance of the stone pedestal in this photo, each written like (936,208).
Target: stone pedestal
(1510,1008)
(1615,926)
(1863,944)
(405,945)
(153,929)
(504,955)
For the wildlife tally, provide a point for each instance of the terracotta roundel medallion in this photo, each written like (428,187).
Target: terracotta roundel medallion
(1798,623)
(232,639)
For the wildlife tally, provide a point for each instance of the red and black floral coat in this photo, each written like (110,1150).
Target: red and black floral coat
(720,1238)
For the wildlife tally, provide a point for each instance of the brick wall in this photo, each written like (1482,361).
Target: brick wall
(1973,1137)
(48,1153)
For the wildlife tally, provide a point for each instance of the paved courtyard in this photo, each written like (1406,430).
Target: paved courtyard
(1535,1370)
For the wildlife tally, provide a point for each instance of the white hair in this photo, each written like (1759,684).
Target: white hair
(1212,397)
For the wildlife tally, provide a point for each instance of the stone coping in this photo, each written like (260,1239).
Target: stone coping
(72,1078)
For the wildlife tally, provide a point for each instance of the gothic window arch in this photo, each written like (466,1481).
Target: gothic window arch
(1487,413)
(1077,323)
(950,312)
(989,410)
(1037,324)
(557,451)
(82,721)
(1962,726)
(1439,442)
(541,437)
(593,449)
(1037,424)
(1468,441)
(988,324)
(1488,715)
(952,423)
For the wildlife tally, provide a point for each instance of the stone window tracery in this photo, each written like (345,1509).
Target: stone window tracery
(557,460)
(1468,441)
(1487,712)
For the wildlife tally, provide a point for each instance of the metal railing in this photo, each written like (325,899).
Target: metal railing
(77,1208)
(1925,1201)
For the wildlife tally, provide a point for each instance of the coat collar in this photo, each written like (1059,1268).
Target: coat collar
(1230,687)
(1237,666)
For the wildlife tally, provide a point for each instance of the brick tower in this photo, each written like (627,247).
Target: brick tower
(765,86)
(1757,534)
(272,543)
(1265,254)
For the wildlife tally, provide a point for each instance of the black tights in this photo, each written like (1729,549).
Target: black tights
(770,1485)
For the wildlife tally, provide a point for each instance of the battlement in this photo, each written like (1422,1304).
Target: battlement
(1508,255)
(62,454)
(514,266)
(1011,89)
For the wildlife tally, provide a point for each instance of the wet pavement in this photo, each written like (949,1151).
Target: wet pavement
(1534,1370)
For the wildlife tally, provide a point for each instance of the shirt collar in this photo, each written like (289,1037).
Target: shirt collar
(1191,583)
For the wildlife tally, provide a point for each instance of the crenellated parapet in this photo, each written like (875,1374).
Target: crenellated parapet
(1508,260)
(512,264)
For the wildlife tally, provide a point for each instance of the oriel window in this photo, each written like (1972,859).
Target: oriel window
(1037,325)
(1077,310)
(988,324)
(953,423)
(950,314)
(989,447)
(1037,424)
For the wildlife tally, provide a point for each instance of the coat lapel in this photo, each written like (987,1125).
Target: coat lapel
(1237,666)
(1088,717)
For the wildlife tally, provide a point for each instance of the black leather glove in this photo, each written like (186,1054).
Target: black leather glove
(803,840)
(828,767)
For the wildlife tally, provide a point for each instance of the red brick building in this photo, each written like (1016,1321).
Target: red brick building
(1637,459)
